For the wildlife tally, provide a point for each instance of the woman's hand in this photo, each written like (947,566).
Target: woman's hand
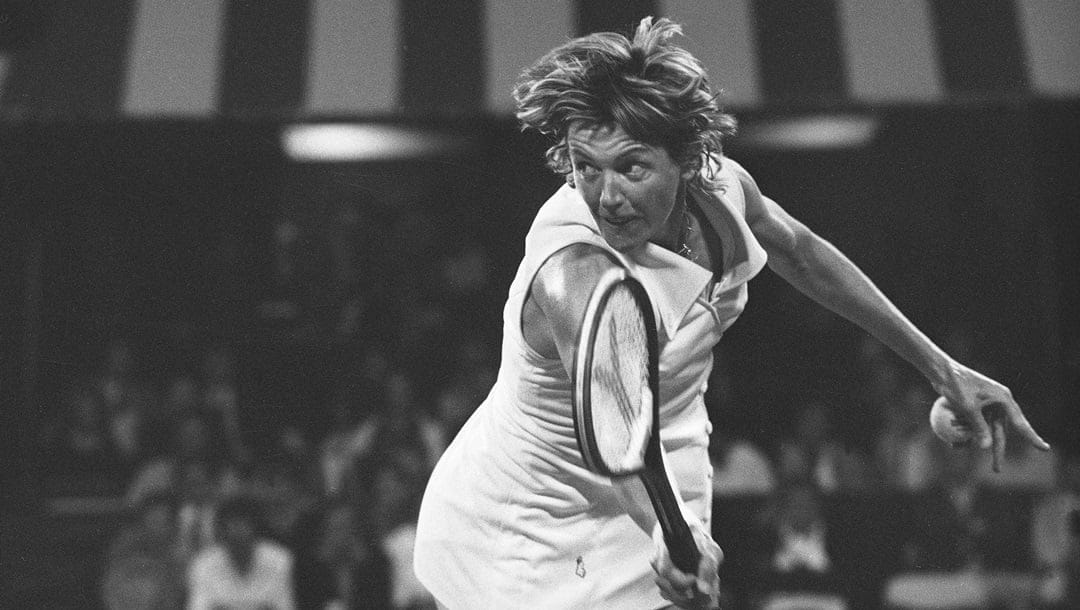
(696,591)
(987,407)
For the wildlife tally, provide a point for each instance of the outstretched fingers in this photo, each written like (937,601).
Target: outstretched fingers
(1021,425)
(998,432)
(980,424)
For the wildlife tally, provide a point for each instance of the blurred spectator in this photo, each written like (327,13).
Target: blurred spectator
(799,560)
(740,468)
(472,374)
(200,491)
(1056,539)
(220,392)
(198,472)
(909,454)
(454,405)
(343,566)
(399,477)
(811,452)
(405,422)
(143,566)
(352,310)
(285,482)
(116,370)
(295,447)
(350,437)
(970,537)
(184,395)
(353,420)
(118,387)
(193,442)
(81,458)
(181,397)
(398,420)
(947,523)
(244,570)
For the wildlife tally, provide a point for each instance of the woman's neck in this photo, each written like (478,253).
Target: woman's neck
(674,231)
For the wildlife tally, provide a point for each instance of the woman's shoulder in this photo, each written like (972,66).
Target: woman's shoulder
(724,173)
(573,264)
(723,184)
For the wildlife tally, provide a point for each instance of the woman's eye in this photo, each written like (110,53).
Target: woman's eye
(634,169)
(586,170)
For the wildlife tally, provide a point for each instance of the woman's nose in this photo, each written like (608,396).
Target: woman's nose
(611,196)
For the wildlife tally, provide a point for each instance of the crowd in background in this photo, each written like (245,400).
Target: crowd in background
(247,479)
(307,511)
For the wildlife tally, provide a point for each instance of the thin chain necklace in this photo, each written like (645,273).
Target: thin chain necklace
(684,249)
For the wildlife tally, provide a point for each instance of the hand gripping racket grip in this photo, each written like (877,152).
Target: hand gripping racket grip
(680,540)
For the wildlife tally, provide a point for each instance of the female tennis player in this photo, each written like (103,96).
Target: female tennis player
(512,517)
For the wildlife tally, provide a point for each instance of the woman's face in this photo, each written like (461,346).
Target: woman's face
(631,187)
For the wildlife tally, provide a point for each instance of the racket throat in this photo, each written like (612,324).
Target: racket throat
(677,534)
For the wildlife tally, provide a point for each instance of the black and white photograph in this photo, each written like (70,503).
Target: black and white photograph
(540,304)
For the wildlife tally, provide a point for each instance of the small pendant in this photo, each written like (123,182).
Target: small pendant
(685,250)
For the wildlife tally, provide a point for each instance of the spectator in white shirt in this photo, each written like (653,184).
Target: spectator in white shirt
(243,571)
(740,468)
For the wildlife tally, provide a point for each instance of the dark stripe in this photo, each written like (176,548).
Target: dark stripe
(264,57)
(799,51)
(980,46)
(21,22)
(612,15)
(72,64)
(442,67)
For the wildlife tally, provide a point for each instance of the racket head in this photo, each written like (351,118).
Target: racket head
(615,376)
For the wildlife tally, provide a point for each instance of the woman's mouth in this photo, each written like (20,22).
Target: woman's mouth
(619,221)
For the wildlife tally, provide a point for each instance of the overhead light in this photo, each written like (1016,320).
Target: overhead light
(824,132)
(339,142)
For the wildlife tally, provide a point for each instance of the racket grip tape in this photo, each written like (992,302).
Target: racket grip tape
(677,534)
(681,545)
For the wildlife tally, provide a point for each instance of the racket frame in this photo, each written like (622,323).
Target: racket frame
(653,474)
(583,361)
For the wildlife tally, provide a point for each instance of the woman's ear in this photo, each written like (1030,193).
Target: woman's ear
(691,168)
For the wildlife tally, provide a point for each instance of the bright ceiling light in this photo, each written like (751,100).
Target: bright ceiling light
(341,142)
(810,133)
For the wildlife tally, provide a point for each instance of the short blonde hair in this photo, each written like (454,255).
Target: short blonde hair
(655,90)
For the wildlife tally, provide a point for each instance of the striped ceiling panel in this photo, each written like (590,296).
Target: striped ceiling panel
(294,59)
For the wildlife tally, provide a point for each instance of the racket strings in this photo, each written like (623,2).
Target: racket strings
(615,377)
(620,374)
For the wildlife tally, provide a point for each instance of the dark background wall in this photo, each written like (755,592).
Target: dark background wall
(962,216)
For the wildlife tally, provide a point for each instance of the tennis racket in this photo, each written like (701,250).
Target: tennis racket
(617,401)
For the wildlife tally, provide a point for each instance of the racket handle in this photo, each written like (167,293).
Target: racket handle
(677,535)
(683,548)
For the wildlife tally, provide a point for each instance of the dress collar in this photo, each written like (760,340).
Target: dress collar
(673,282)
(743,255)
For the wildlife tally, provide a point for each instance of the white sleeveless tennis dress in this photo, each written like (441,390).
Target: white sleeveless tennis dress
(511,518)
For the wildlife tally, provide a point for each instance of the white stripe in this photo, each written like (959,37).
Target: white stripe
(720,33)
(174,57)
(518,32)
(353,58)
(890,51)
(1051,31)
